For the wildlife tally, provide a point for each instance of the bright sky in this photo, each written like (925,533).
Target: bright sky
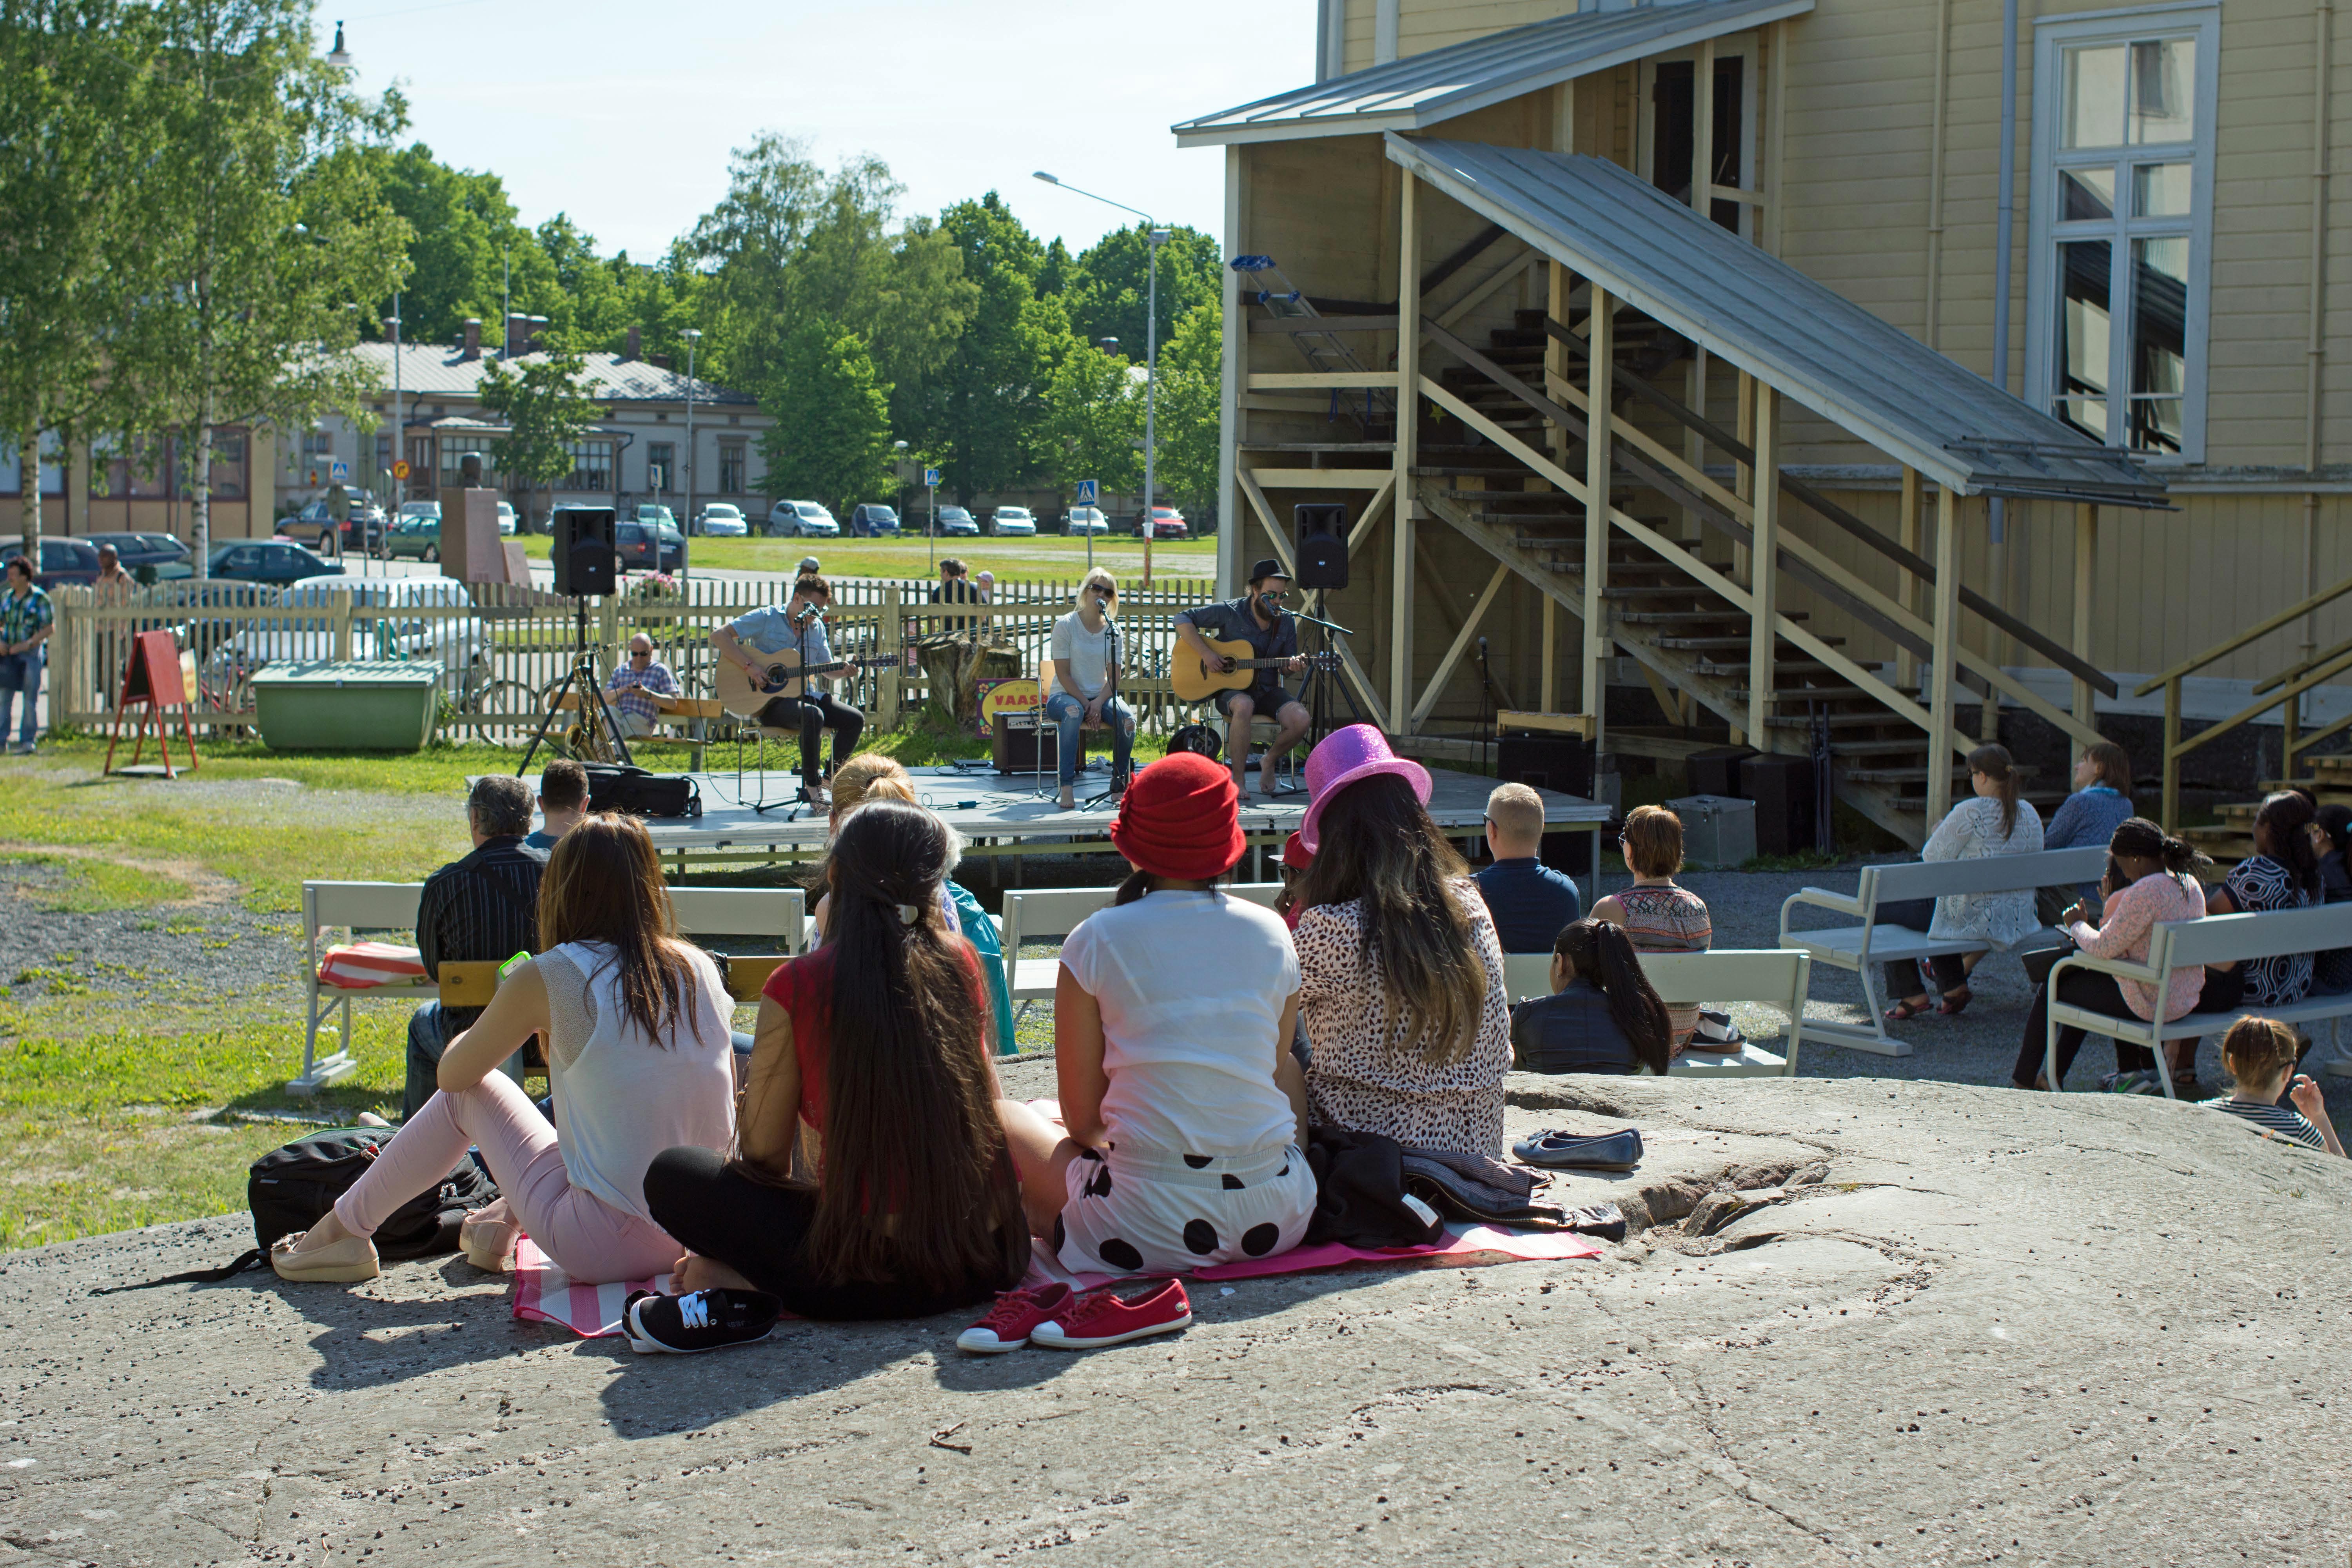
(623,115)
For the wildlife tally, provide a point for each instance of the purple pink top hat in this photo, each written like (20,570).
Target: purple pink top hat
(1358,752)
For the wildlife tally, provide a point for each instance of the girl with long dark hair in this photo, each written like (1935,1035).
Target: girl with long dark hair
(875,1043)
(639,1056)
(1402,973)
(2283,873)
(1603,1015)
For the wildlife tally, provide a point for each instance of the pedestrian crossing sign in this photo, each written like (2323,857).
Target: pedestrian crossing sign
(1088,489)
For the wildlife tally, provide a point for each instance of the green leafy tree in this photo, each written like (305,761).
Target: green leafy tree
(267,232)
(1094,421)
(545,412)
(467,254)
(1190,371)
(831,440)
(985,409)
(1111,283)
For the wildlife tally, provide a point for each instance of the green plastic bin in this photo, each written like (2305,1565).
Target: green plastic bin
(347,705)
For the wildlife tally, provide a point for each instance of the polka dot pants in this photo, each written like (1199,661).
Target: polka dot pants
(1135,1210)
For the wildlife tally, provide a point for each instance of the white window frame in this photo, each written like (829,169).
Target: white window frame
(2202,21)
(1742,47)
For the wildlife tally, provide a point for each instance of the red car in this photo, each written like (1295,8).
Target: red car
(1166,522)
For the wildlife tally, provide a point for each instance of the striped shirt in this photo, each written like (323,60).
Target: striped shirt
(481,909)
(1668,918)
(2270,1120)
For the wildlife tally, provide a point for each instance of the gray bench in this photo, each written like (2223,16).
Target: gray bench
(1860,947)
(2193,944)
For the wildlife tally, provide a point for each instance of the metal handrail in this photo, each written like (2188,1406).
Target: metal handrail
(2287,616)
(2308,673)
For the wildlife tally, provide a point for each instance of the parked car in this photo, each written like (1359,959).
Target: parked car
(1085,520)
(506,517)
(651,512)
(1012,519)
(64,563)
(650,547)
(795,519)
(721,520)
(150,557)
(380,629)
(267,561)
(870,520)
(1166,522)
(314,525)
(955,520)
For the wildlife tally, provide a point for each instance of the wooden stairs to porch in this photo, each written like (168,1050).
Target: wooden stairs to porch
(2232,839)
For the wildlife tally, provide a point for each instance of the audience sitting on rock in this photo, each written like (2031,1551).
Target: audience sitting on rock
(1402,974)
(483,909)
(1992,821)
(2260,1054)
(2148,881)
(1655,914)
(2283,873)
(870,775)
(2101,801)
(563,798)
(875,1043)
(638,1050)
(1183,1111)
(1603,1015)
(1529,901)
(2331,832)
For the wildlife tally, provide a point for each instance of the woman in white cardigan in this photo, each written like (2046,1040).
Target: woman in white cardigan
(1992,821)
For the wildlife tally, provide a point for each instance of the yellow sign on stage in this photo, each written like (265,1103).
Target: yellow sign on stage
(1005,698)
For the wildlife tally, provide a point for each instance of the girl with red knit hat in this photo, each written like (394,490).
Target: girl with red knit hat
(1183,1108)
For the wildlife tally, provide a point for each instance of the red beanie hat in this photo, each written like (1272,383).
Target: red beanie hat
(1179,819)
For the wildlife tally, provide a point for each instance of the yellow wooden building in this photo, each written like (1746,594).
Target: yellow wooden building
(2144,481)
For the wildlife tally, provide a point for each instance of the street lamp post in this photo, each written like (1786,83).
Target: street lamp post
(693,336)
(1154,237)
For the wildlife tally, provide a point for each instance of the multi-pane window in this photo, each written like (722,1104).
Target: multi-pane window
(731,478)
(591,467)
(2124,169)
(456,450)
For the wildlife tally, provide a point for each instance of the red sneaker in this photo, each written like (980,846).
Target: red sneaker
(1015,1317)
(1102,1318)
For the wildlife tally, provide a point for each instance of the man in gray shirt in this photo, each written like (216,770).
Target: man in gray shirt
(1258,619)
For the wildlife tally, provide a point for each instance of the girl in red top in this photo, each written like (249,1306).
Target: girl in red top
(874,1044)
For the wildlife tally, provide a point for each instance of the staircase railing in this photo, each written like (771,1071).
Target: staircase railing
(2286,686)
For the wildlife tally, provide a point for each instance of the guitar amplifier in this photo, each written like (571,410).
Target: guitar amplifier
(1016,747)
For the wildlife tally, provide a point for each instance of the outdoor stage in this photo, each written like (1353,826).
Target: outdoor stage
(1003,814)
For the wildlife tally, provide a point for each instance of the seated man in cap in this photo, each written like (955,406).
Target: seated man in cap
(1258,619)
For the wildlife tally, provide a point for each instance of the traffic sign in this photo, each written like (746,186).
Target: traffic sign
(1087,491)
(931,477)
(339,472)
(400,467)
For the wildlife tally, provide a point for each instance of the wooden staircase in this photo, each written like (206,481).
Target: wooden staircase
(2232,839)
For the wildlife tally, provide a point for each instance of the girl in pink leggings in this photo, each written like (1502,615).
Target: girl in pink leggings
(639,1056)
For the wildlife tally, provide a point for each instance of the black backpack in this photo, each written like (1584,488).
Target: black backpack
(291,1188)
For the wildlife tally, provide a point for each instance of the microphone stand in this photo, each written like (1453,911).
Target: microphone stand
(1110,695)
(803,798)
(1319,689)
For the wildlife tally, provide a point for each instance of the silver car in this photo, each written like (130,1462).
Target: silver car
(386,624)
(800,519)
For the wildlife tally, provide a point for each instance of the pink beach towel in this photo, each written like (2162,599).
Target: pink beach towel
(544,1293)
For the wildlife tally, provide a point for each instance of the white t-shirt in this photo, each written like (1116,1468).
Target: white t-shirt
(1089,653)
(1191,987)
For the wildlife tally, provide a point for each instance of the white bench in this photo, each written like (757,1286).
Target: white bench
(2176,945)
(1774,977)
(1046,913)
(391,905)
(1859,948)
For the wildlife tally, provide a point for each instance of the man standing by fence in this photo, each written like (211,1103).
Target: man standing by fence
(25,617)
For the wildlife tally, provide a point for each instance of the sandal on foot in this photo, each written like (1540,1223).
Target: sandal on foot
(1950,1008)
(1903,1012)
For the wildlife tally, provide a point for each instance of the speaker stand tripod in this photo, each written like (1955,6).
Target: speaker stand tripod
(580,680)
(1325,692)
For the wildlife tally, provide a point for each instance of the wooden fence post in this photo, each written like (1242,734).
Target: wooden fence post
(339,620)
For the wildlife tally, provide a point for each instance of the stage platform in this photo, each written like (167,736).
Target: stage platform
(1003,814)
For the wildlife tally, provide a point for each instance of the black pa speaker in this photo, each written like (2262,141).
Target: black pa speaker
(1322,544)
(585,558)
(1561,763)
(1782,789)
(1716,771)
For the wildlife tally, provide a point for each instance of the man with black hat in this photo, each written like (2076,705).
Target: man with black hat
(1257,618)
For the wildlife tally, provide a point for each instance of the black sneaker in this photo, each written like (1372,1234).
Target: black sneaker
(697,1321)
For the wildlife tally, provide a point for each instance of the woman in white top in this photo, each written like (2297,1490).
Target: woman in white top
(1992,821)
(639,1058)
(1183,1111)
(1085,654)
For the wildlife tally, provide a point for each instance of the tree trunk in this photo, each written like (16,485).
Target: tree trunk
(953,664)
(28,488)
(203,503)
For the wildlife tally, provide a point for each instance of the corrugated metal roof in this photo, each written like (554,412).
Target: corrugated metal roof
(441,369)
(1417,92)
(1770,320)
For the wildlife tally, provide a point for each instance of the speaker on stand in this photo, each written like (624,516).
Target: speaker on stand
(585,559)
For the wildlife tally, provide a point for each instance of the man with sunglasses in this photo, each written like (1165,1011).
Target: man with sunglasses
(1085,654)
(636,690)
(1257,618)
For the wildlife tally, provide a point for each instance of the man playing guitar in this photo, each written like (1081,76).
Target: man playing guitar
(1257,618)
(797,627)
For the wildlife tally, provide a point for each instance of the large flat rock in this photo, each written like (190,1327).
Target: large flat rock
(1871,1323)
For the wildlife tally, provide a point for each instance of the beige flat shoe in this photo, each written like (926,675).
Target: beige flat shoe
(345,1262)
(488,1237)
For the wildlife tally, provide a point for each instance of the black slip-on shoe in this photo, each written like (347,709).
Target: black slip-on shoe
(699,1320)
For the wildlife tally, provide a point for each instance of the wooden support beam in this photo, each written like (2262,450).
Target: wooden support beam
(1906,587)
(1299,325)
(1944,667)
(1372,514)
(1307,380)
(1702,172)
(1597,467)
(1450,611)
(1401,510)
(1509,272)
(1264,510)
(1323,478)
(2087,562)
(1766,610)
(1461,644)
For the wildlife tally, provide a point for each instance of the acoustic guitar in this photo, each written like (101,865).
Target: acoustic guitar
(785,677)
(1196,680)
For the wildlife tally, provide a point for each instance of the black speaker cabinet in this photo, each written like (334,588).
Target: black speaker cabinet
(1322,544)
(1716,771)
(1560,763)
(1782,789)
(1015,748)
(583,555)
